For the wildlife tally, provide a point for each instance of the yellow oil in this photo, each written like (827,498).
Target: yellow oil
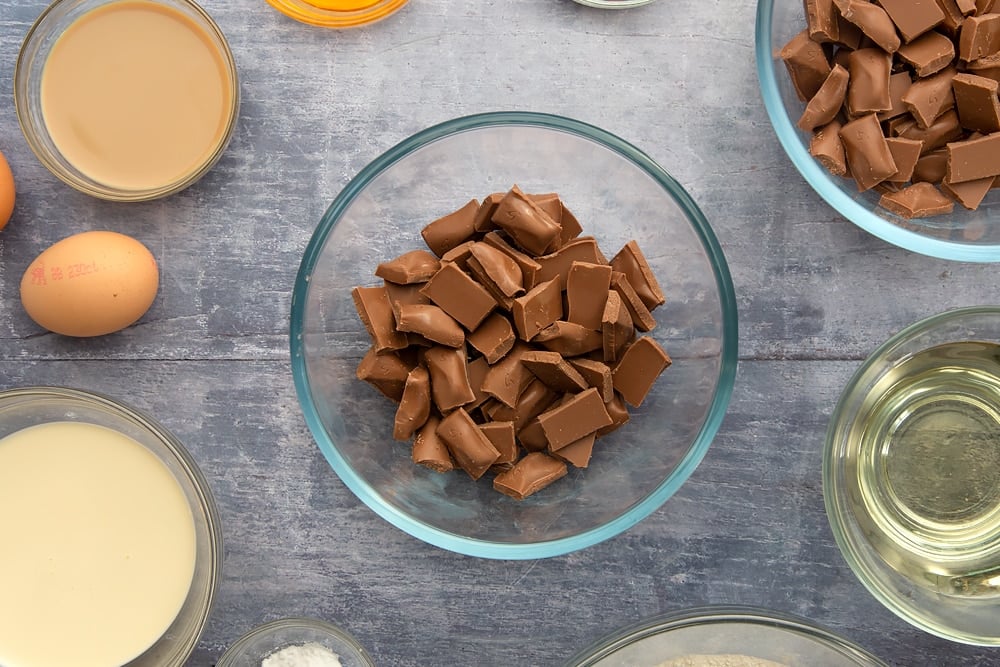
(923,468)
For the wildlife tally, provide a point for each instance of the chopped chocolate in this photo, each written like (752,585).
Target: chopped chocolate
(977,103)
(501,435)
(405,295)
(642,319)
(460,296)
(929,53)
(483,220)
(531,474)
(969,194)
(536,397)
(428,448)
(821,17)
(618,412)
(638,369)
(905,153)
(851,36)
(917,201)
(873,21)
(973,159)
(931,167)
(493,338)
(500,267)
(386,371)
(979,37)
(806,63)
(597,374)
(616,327)
(913,19)
(967,7)
(529,267)
(586,292)
(633,264)
(375,311)
(988,67)
(953,16)
(928,98)
(537,309)
(946,128)
(554,371)
(451,230)
(986,7)
(416,266)
(581,415)
(480,275)
(569,339)
(508,377)
(531,228)
(450,385)
(869,76)
(571,227)
(577,453)
(827,147)
(468,445)
(557,264)
(826,103)
(415,406)
(477,370)
(867,152)
(459,255)
(899,83)
(532,437)
(430,322)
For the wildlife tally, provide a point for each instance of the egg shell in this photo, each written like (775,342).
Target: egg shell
(90,284)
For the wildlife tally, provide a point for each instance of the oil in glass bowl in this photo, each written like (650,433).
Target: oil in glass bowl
(922,471)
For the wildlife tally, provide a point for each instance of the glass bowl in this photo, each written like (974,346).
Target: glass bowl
(26,407)
(614,4)
(252,648)
(971,236)
(619,194)
(338,13)
(44,34)
(911,474)
(785,640)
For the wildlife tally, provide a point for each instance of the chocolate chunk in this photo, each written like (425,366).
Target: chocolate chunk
(851,36)
(450,385)
(967,7)
(928,98)
(869,75)
(581,415)
(493,338)
(821,17)
(479,274)
(570,226)
(946,128)
(597,374)
(867,153)
(616,327)
(531,228)
(468,445)
(532,437)
(428,448)
(986,7)
(501,436)
(415,406)
(537,309)
(979,37)
(557,264)
(931,167)
(953,16)
(375,311)
(905,154)
(642,319)
(806,63)
(899,83)
(569,339)
(451,230)
(969,194)
(826,103)
(508,377)
(500,267)
(586,293)
(459,255)
(873,21)
(460,296)
(988,67)
(405,295)
(827,147)
(531,474)
(483,220)
(529,267)
(430,322)
(920,200)
(536,397)
(633,264)
(976,102)
(554,371)
(638,369)
(973,159)
(618,412)
(913,19)
(477,370)
(386,371)
(577,453)
(416,266)
(929,53)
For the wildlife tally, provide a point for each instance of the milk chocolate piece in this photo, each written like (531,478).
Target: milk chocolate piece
(873,21)
(493,338)
(428,448)
(450,385)
(386,371)
(500,267)
(867,153)
(929,53)
(806,63)
(899,83)
(554,371)
(483,220)
(405,295)
(638,369)
(480,275)
(570,226)
(969,194)
(586,292)
(531,474)
(581,415)
(548,202)
(501,436)
(451,230)
(532,437)
(375,311)
(477,370)
(967,7)
(826,103)
(827,147)
(531,228)
(869,75)
(642,319)
(920,200)
(537,309)
(577,453)
(953,16)
(988,67)
(946,128)
(913,19)
(531,403)
(460,296)
(569,339)
(928,98)
(416,266)
(468,445)
(633,264)
(597,374)
(459,255)
(979,37)
(821,17)
(508,377)
(905,153)
(618,412)
(430,322)
(977,103)
(557,264)
(931,167)
(986,7)
(529,267)
(851,36)
(415,406)
(616,327)
(973,159)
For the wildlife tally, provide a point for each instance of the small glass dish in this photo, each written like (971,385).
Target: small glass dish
(911,474)
(782,639)
(614,4)
(251,649)
(338,13)
(38,44)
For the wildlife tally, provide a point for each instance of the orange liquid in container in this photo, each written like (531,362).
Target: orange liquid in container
(136,95)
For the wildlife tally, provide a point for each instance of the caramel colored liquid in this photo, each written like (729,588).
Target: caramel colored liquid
(135,95)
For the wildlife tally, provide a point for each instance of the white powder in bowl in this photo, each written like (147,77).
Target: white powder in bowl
(302,655)
(724,660)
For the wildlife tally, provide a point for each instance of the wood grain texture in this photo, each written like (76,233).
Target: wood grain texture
(210,359)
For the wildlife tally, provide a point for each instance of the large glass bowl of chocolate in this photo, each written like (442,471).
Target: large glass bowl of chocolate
(513,335)
(890,112)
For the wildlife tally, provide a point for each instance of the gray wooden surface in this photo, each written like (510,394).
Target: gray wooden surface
(210,359)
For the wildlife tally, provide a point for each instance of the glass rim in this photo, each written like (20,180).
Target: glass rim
(239,646)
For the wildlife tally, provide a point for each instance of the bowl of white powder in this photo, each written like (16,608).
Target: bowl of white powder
(724,637)
(296,642)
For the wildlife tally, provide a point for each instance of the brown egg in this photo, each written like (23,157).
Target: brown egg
(90,284)
(6,192)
